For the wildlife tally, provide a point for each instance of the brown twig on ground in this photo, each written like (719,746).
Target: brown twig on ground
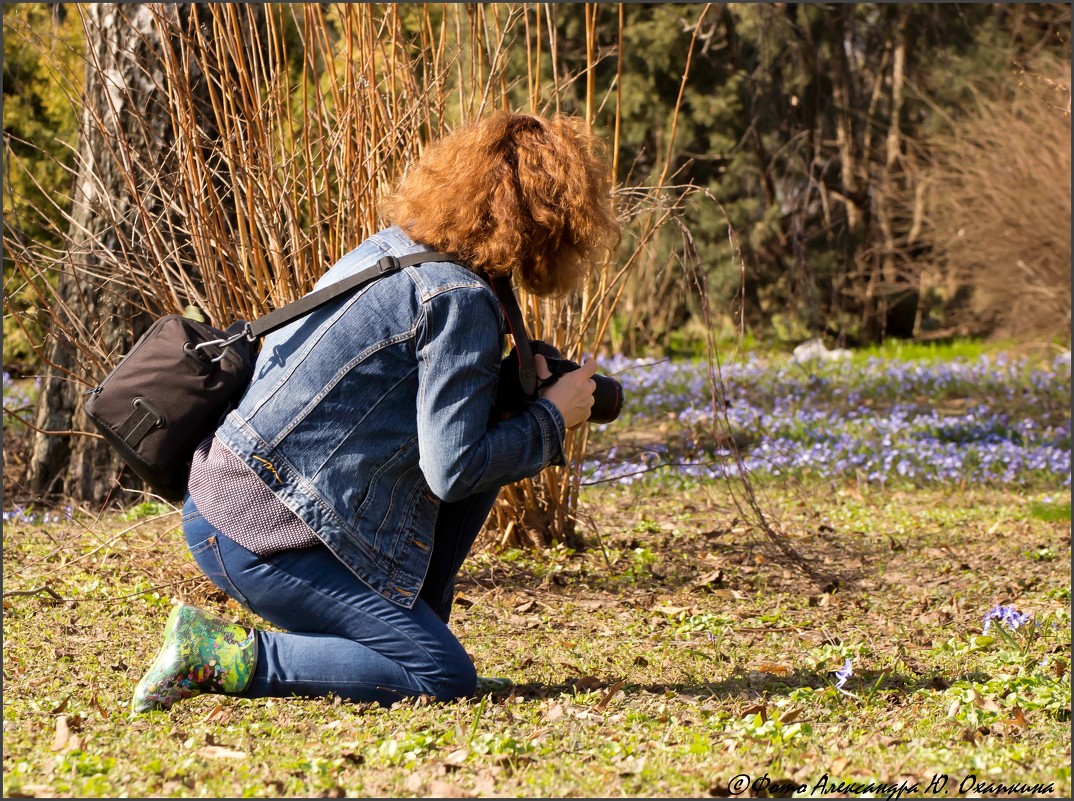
(44,588)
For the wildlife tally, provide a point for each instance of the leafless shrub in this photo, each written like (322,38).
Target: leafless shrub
(248,165)
(999,209)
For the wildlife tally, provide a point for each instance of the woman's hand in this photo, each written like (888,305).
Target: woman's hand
(572,394)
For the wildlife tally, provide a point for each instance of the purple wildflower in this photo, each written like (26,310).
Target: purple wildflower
(844,673)
(1007,615)
(869,424)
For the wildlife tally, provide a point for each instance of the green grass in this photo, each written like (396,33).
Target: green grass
(944,351)
(959,348)
(669,658)
(1050,511)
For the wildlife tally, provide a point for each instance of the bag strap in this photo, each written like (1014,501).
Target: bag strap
(527,373)
(292,311)
(387,265)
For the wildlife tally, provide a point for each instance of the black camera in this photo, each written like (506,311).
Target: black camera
(510,398)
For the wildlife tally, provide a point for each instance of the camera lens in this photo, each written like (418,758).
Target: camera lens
(607,400)
(607,395)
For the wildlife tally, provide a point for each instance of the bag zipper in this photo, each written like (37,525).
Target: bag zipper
(156,324)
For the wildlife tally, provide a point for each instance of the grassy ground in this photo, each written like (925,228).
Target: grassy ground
(668,659)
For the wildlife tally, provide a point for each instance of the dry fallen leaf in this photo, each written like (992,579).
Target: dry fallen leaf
(939,683)
(772,667)
(220,752)
(63,733)
(439,788)
(553,713)
(630,766)
(100,709)
(485,785)
(756,709)
(62,706)
(713,579)
(457,757)
(216,714)
(987,704)
(588,683)
(610,694)
(586,715)
(1018,717)
(791,715)
(36,791)
(671,610)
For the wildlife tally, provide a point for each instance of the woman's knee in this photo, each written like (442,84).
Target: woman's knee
(458,678)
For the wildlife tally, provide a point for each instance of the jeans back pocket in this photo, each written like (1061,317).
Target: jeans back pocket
(207,555)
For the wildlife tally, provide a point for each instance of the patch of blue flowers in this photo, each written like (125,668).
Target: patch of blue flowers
(28,514)
(994,420)
(17,395)
(1007,616)
(844,673)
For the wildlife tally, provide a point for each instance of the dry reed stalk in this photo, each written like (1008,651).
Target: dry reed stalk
(543,510)
(276,157)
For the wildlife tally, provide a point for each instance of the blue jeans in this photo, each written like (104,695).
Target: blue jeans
(341,637)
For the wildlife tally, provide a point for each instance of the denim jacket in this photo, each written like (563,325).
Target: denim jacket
(364,415)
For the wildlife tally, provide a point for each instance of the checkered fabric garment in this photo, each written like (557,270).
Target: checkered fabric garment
(235,501)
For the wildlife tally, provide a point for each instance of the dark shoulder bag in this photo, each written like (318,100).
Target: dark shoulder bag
(182,377)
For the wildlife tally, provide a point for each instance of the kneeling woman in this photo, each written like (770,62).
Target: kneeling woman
(339,500)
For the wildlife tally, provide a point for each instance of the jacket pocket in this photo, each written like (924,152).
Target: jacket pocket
(375,512)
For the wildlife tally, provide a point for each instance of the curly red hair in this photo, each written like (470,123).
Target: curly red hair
(514,193)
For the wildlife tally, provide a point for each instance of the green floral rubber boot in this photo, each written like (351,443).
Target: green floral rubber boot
(488,684)
(202,653)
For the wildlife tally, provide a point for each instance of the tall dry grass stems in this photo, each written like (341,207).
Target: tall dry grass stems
(999,208)
(284,126)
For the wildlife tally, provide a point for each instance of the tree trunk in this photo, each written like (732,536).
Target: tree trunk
(124,122)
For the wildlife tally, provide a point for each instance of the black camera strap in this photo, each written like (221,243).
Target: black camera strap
(527,373)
